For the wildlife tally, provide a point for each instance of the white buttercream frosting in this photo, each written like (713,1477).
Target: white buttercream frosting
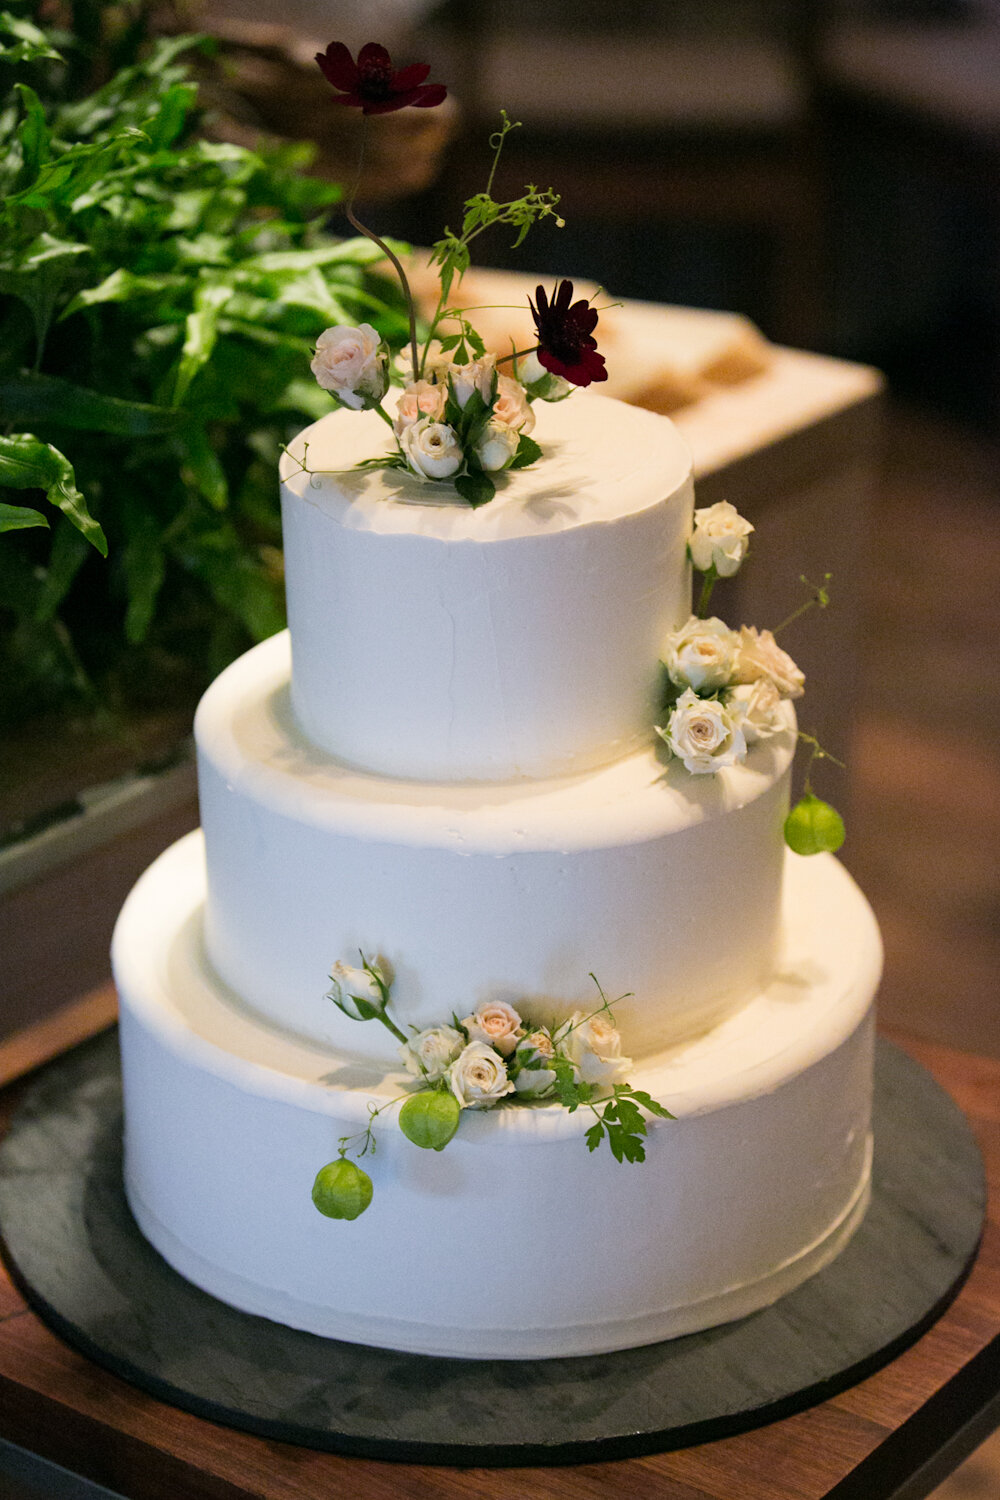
(520,639)
(478,893)
(459,780)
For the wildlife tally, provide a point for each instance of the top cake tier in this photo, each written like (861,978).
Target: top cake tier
(440,643)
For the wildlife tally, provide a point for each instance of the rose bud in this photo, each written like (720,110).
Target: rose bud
(341,1189)
(359,993)
(430,1118)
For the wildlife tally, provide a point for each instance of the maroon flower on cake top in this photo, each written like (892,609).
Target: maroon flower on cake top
(565,344)
(372,84)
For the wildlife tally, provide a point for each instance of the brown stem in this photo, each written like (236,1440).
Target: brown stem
(517,353)
(370,234)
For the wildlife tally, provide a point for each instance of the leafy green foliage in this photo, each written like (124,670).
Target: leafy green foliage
(27,464)
(476,487)
(528,452)
(619,1119)
(622,1121)
(451,253)
(160,296)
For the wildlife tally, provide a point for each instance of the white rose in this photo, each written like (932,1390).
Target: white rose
(511,405)
(756,708)
(495,1023)
(704,735)
(478,375)
(478,1077)
(721,537)
(353,364)
(429,1054)
(759,655)
(702,654)
(534,1082)
(431,449)
(355,990)
(594,1047)
(420,399)
(497,446)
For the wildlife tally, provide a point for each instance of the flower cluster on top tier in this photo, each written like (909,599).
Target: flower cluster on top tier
(492,1056)
(458,418)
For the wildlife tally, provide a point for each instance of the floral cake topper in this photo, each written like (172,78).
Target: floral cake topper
(462,414)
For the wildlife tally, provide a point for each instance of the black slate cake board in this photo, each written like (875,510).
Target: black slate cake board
(74,1250)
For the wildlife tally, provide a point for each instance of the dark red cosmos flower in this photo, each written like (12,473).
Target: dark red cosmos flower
(565,345)
(372,84)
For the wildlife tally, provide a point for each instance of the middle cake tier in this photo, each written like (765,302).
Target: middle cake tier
(658,883)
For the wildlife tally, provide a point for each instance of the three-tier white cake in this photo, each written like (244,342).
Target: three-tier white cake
(449,762)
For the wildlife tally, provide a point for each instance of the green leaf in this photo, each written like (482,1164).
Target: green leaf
(144,564)
(474,341)
(200,333)
(28,464)
(628,1115)
(652,1105)
(310,290)
(69,549)
(474,411)
(477,488)
(168,122)
(19,517)
(306,397)
(267,336)
(33,135)
(528,452)
(48,398)
(238,583)
(65,177)
(123,286)
(203,468)
(32,45)
(39,277)
(357,252)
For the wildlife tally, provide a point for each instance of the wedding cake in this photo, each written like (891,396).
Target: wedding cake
(448,764)
(500,791)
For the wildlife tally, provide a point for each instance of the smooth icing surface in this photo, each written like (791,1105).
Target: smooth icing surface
(473,893)
(759,1181)
(518,640)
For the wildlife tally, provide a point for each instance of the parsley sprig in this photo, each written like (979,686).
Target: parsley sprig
(451,253)
(619,1119)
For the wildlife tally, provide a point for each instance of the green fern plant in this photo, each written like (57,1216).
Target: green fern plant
(160,295)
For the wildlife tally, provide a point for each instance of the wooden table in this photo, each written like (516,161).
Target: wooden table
(894,1437)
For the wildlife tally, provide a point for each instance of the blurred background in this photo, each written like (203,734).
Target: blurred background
(830,171)
(828,167)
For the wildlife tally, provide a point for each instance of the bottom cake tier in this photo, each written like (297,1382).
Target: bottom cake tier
(516,1241)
